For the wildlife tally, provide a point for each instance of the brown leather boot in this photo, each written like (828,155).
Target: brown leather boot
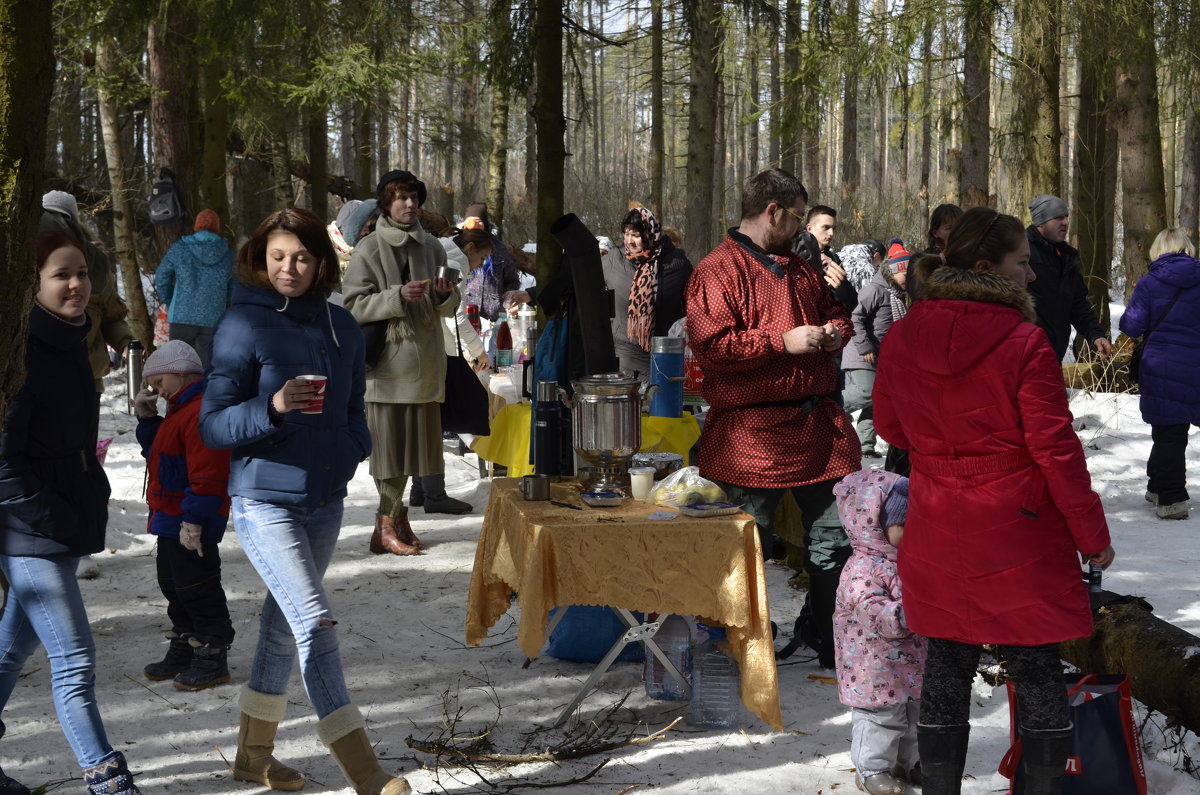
(405,532)
(385,538)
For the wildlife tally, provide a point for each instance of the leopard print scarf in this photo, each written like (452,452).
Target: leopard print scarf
(644,292)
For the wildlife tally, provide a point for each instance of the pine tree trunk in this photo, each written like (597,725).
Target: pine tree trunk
(1036,131)
(122,209)
(657,120)
(751,159)
(703,21)
(1096,169)
(318,162)
(212,189)
(850,164)
(1189,194)
(551,128)
(281,173)
(776,96)
(170,84)
(498,157)
(1135,114)
(26,81)
(925,191)
(787,135)
(812,100)
(973,187)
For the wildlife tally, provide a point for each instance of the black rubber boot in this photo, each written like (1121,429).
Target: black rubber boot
(416,495)
(1044,758)
(208,668)
(436,500)
(8,784)
(943,752)
(821,599)
(179,657)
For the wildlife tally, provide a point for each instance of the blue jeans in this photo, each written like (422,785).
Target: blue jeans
(45,605)
(291,547)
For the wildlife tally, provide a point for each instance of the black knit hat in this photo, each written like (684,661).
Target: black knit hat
(403,176)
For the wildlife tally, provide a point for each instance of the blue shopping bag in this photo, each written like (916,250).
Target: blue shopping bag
(586,633)
(1106,755)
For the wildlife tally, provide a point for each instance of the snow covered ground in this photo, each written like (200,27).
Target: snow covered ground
(401,628)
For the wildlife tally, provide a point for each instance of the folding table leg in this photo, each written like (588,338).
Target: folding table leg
(635,632)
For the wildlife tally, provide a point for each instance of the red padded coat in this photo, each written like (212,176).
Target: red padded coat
(1000,500)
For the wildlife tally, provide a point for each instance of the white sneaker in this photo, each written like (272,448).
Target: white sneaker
(87,569)
(1176,510)
(879,784)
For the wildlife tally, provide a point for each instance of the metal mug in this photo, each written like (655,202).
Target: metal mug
(449,273)
(536,487)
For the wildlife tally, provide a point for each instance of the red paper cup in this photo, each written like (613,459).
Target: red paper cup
(318,404)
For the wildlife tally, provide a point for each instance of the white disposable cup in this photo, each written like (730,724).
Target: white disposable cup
(641,480)
(318,405)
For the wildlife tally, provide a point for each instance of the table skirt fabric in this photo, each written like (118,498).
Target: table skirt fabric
(551,556)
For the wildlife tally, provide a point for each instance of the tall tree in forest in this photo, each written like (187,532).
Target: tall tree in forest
(26,77)
(108,75)
(1135,116)
(551,128)
(1092,218)
(1189,194)
(703,26)
(850,162)
(509,72)
(657,117)
(172,100)
(977,58)
(1036,132)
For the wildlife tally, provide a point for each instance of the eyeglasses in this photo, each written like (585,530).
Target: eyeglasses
(792,213)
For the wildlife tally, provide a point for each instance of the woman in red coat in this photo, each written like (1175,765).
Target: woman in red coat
(1001,504)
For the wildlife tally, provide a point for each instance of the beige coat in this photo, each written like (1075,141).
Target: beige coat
(412,368)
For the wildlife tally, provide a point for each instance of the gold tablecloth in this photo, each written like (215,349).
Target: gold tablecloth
(552,557)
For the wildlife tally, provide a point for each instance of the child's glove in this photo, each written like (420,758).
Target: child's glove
(189,536)
(145,404)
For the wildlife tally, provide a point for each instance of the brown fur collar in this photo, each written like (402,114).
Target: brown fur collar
(956,284)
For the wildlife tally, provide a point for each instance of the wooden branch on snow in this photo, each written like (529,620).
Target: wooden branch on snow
(1162,660)
(448,749)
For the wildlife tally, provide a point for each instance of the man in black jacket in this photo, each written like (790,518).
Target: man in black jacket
(1059,292)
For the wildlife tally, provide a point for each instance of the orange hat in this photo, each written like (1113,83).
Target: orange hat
(898,256)
(208,221)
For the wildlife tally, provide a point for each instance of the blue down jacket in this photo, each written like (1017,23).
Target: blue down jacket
(263,340)
(53,492)
(1170,370)
(195,279)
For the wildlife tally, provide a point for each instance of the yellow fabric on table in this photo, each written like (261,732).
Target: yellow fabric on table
(551,556)
(508,444)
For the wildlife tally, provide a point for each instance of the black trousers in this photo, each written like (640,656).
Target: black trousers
(192,585)
(1036,670)
(1167,467)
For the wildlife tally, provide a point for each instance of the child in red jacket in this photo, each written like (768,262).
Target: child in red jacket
(189,509)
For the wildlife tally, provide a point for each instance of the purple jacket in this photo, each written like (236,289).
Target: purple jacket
(879,660)
(1170,370)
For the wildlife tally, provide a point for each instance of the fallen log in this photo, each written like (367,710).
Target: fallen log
(1162,660)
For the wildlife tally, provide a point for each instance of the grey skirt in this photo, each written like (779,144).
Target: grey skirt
(406,439)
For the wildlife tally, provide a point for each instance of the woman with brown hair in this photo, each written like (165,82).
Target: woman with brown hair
(1001,506)
(392,277)
(296,442)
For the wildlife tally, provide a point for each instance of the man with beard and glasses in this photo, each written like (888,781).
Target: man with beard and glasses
(763,325)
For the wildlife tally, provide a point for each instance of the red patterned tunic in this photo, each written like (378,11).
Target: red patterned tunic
(740,301)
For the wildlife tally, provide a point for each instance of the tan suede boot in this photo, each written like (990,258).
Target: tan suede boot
(261,714)
(344,731)
(386,537)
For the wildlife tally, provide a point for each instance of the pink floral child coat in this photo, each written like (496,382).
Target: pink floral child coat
(879,661)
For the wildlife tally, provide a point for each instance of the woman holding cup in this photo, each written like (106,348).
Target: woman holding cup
(285,394)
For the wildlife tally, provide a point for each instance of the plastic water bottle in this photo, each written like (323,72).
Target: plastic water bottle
(715,700)
(675,639)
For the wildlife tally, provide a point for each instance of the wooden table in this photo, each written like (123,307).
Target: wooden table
(555,557)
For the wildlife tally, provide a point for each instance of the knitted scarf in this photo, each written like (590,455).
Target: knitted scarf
(398,247)
(644,292)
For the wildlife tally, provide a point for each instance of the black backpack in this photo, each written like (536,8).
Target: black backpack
(166,203)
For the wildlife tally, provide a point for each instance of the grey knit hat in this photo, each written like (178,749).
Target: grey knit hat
(175,356)
(1045,207)
(61,202)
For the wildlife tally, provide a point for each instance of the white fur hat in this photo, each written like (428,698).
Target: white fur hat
(61,202)
(175,356)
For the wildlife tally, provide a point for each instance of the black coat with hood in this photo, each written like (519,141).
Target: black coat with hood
(53,491)
(1059,294)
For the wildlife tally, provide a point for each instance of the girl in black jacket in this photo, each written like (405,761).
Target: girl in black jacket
(54,509)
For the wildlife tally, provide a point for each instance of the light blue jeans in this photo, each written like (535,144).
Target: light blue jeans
(45,605)
(291,547)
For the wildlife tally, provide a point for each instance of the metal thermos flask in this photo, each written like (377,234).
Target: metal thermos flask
(547,429)
(133,371)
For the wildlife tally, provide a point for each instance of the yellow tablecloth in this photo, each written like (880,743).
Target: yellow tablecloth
(552,557)
(508,444)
